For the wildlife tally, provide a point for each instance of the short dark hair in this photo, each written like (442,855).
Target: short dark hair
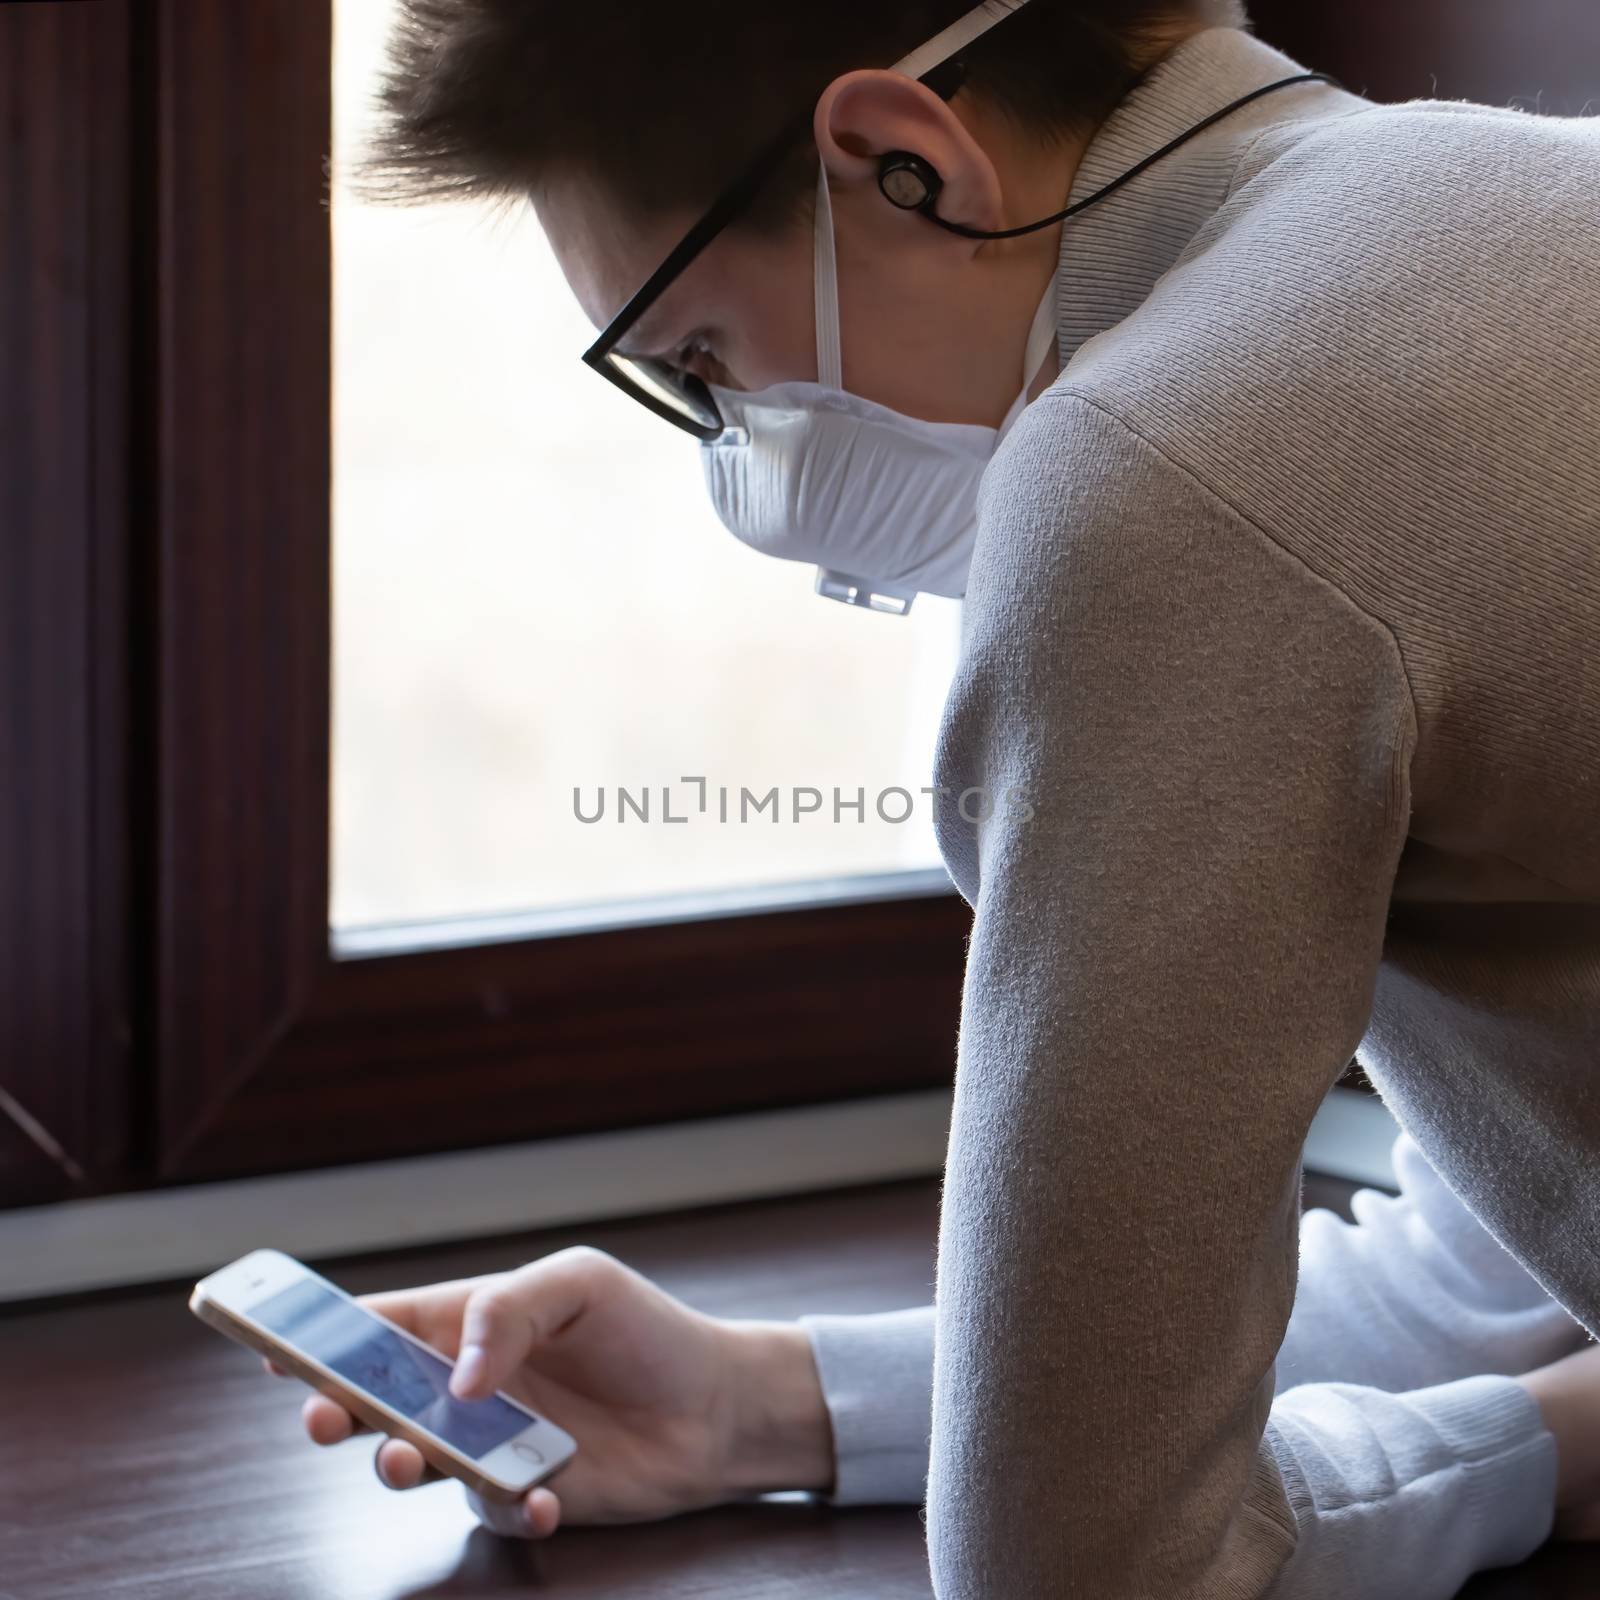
(661,103)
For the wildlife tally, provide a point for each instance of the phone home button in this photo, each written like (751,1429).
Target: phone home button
(528,1453)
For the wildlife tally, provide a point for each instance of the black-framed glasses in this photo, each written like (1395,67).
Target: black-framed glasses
(667,390)
(670,392)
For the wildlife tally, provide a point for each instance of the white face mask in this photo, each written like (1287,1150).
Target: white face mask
(886,505)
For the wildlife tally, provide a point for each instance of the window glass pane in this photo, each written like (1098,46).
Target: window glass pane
(533,597)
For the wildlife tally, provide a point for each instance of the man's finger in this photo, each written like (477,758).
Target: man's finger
(508,1316)
(400,1465)
(328,1422)
(535,1516)
(432,1313)
(542,1507)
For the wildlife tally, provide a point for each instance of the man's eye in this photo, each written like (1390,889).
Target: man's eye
(695,358)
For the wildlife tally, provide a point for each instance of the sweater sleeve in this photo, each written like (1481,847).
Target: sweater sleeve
(1415,1294)
(1191,756)
(877,1383)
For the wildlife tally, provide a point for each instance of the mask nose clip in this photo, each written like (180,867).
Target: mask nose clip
(853,591)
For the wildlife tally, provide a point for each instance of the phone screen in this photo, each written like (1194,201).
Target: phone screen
(368,1353)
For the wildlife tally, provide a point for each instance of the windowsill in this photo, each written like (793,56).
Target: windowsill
(465,933)
(470,1194)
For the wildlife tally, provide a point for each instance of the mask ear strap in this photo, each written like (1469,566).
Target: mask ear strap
(825,271)
(1042,335)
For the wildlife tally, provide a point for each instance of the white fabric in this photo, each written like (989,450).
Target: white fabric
(954,39)
(825,287)
(808,472)
(825,477)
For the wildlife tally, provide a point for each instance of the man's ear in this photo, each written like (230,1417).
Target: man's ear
(862,116)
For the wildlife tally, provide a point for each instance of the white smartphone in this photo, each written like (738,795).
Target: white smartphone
(379,1373)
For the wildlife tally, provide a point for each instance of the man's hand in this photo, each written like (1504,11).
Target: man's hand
(1568,1392)
(672,1410)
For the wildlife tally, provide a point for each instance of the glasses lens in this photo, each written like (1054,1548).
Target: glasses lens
(680,392)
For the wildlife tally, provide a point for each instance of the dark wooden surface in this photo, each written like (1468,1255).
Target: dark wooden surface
(144,1458)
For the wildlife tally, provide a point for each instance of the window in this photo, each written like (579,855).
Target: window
(542,632)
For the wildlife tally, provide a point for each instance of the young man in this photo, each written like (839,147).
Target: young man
(1281,636)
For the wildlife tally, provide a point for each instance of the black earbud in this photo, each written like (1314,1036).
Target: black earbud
(909,182)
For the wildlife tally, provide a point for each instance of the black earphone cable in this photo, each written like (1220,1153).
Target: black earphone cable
(1133,172)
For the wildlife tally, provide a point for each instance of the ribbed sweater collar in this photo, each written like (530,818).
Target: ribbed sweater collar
(1114,253)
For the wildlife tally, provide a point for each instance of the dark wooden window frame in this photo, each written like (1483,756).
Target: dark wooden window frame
(67,342)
